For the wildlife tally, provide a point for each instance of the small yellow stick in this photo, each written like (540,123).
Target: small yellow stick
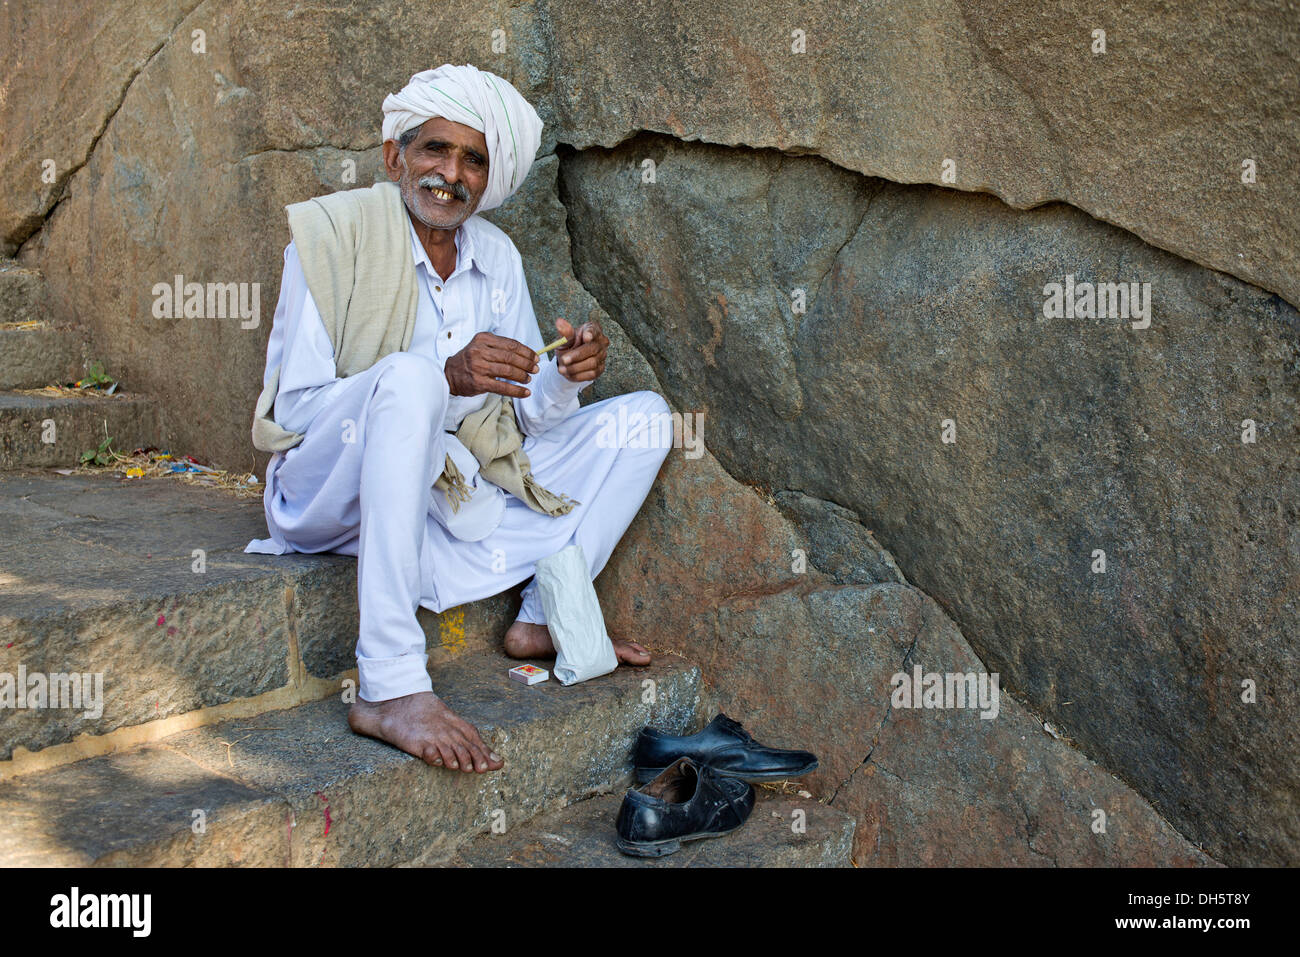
(554,345)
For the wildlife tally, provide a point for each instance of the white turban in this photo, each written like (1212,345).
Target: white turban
(483,101)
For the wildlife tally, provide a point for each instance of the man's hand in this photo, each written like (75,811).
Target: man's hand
(488,359)
(583,359)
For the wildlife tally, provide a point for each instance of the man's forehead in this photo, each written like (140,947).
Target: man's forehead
(457,133)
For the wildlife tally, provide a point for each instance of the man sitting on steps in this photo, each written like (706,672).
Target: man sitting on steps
(401,368)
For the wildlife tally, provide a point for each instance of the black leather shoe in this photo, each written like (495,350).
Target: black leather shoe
(684,803)
(725,747)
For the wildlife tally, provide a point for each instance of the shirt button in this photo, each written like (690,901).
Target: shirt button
(449,334)
(438,288)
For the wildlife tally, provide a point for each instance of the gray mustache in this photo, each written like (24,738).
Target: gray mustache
(437,182)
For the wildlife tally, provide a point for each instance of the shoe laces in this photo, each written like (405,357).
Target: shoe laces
(735,727)
(724,785)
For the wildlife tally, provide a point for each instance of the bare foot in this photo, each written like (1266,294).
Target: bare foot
(422,725)
(525,639)
(630,652)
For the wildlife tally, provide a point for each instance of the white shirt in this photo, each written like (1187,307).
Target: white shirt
(486,292)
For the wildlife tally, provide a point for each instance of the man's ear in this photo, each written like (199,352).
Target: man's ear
(392,160)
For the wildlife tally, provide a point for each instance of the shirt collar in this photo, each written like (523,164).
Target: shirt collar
(465,249)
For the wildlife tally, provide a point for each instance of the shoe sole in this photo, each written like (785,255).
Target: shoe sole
(645,775)
(670,846)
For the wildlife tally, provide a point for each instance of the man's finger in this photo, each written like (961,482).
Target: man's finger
(523,357)
(501,370)
(586,365)
(489,384)
(580,353)
(512,347)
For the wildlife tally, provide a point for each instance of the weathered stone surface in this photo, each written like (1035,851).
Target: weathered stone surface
(1143,136)
(240,130)
(812,668)
(582,835)
(700,538)
(534,221)
(32,356)
(298,788)
(67,67)
(893,90)
(357,801)
(1072,435)
(138,809)
(81,423)
(838,545)
(22,295)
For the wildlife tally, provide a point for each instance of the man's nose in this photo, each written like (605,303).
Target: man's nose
(450,169)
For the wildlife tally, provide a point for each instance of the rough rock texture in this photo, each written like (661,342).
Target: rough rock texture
(182,161)
(35,354)
(76,423)
(136,809)
(558,744)
(705,571)
(22,294)
(1071,435)
(1150,135)
(927,786)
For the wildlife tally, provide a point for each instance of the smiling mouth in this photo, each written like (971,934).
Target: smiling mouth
(442,194)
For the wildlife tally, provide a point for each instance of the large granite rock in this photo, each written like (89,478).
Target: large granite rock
(1072,435)
(805,658)
(928,786)
(1143,135)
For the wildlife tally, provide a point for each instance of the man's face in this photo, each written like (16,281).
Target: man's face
(444,157)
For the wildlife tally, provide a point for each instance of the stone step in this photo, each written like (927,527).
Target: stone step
(22,293)
(144,581)
(79,423)
(35,354)
(582,835)
(297,787)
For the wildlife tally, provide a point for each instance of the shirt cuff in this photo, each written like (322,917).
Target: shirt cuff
(554,388)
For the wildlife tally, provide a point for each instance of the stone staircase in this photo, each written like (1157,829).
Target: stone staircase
(218,736)
(49,430)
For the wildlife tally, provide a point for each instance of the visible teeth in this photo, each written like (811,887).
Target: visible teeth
(441,193)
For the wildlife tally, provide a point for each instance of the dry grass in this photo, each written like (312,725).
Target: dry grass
(151,463)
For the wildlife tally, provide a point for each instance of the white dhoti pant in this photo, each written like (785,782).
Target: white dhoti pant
(370,497)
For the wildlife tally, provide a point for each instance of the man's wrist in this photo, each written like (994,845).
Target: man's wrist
(554,385)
